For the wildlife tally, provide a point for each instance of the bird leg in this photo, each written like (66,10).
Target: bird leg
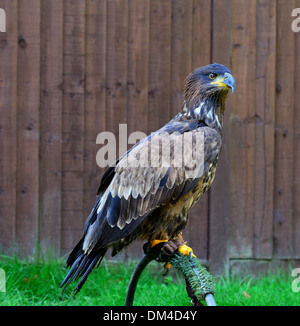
(172,245)
(169,247)
(166,249)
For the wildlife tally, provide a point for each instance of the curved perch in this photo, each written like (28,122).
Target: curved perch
(200,280)
(135,278)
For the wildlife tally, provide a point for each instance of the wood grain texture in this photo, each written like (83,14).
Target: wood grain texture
(50,125)
(242,129)
(159,101)
(73,122)
(8,125)
(138,69)
(202,33)
(296,193)
(95,97)
(116,63)
(264,121)
(181,48)
(28,97)
(284,147)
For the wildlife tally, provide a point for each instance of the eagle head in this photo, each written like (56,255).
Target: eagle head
(213,81)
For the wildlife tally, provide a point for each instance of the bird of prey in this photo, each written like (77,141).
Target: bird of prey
(148,193)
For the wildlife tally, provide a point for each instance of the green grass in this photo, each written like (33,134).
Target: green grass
(36,283)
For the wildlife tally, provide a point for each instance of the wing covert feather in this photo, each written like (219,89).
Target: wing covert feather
(152,174)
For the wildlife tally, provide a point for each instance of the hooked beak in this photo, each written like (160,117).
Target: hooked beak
(225,81)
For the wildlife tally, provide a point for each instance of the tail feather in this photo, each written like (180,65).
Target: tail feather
(85,273)
(74,271)
(81,266)
(71,271)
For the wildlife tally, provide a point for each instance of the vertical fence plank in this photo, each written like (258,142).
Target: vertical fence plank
(202,33)
(296,216)
(116,63)
(8,141)
(181,49)
(193,38)
(284,149)
(95,97)
(117,71)
(138,70)
(242,154)
(50,125)
(73,122)
(28,125)
(219,194)
(264,128)
(159,64)
(138,76)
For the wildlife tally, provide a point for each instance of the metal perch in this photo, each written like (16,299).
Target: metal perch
(135,278)
(200,285)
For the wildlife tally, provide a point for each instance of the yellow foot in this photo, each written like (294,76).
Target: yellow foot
(185,250)
(156,242)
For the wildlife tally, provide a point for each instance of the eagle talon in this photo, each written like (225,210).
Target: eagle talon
(167,266)
(164,249)
(186,251)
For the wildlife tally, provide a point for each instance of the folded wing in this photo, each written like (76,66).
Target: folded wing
(159,170)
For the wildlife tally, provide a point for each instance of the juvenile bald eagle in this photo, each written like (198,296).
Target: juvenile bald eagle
(151,188)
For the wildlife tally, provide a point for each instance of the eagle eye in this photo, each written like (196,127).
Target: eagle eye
(213,76)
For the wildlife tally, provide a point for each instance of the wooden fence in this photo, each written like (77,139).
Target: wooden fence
(72,69)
